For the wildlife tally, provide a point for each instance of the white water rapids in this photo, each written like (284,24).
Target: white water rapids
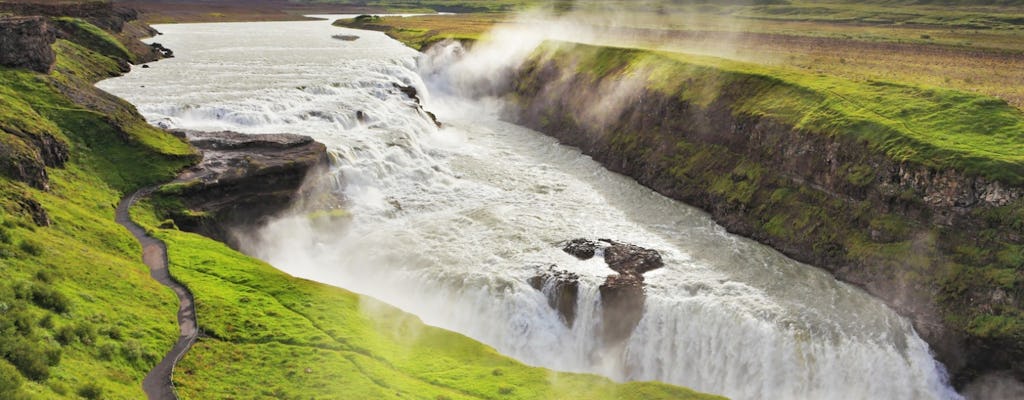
(450,223)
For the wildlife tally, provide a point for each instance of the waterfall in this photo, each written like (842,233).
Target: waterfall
(451,224)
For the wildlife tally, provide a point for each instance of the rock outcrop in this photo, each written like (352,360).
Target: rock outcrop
(583,249)
(25,43)
(628,259)
(622,295)
(562,289)
(412,93)
(242,180)
(122,22)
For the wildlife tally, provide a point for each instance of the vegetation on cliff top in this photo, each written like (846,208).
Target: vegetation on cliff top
(933,127)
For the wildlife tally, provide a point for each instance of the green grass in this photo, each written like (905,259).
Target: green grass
(81,316)
(89,36)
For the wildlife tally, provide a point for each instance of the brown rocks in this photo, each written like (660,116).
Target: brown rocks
(562,289)
(622,295)
(242,181)
(622,306)
(629,259)
(582,249)
(25,156)
(25,43)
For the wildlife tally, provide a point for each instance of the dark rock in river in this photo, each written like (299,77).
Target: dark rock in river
(413,94)
(626,258)
(164,52)
(561,289)
(622,306)
(622,295)
(25,43)
(347,38)
(409,91)
(242,180)
(583,249)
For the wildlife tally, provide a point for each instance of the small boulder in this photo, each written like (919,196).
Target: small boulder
(583,249)
(630,259)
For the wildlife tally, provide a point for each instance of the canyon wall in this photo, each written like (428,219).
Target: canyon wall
(940,246)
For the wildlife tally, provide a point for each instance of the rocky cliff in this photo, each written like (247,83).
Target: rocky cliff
(25,43)
(241,181)
(121,22)
(28,38)
(940,246)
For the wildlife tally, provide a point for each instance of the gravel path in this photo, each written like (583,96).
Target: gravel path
(157,383)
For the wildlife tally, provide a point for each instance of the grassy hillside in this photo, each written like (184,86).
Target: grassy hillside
(272,335)
(80,315)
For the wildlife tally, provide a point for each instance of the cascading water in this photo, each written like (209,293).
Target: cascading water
(451,223)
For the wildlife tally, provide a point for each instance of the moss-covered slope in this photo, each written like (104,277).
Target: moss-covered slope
(79,315)
(913,193)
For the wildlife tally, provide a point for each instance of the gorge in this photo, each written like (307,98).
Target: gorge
(451,223)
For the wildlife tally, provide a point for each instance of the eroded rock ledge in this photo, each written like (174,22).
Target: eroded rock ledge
(926,241)
(242,181)
(622,294)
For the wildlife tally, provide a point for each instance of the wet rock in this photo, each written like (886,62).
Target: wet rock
(433,118)
(622,305)
(630,259)
(25,43)
(583,249)
(242,181)
(360,116)
(145,65)
(409,91)
(164,52)
(561,289)
(347,38)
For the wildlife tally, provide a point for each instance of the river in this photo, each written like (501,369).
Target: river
(450,223)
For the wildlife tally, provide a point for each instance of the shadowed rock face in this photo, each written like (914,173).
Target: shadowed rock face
(622,295)
(622,306)
(629,259)
(243,180)
(25,43)
(562,289)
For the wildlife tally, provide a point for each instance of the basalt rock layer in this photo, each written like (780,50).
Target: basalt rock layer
(242,180)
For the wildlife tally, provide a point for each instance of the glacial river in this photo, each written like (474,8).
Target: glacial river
(450,223)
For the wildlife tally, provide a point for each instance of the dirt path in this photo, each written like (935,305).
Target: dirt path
(157,383)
